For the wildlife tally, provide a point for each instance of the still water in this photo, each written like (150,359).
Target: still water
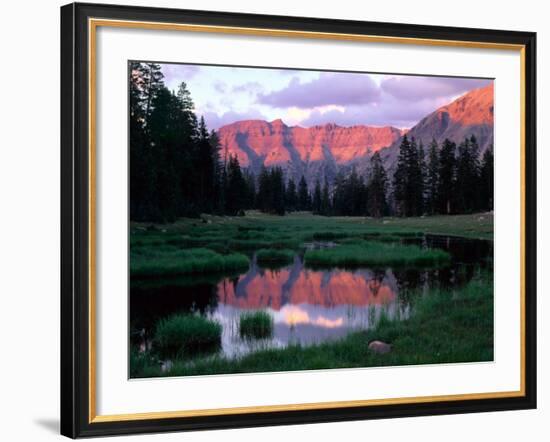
(307,305)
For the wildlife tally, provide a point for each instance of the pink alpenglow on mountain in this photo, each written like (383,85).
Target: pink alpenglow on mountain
(470,114)
(320,152)
(275,143)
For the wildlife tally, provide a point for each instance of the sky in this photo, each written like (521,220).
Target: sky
(224,95)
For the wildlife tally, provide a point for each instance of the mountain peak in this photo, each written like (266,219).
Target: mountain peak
(474,107)
(321,151)
(470,114)
(277,122)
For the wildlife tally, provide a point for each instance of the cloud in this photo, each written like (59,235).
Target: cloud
(250,87)
(215,121)
(387,112)
(220,87)
(410,88)
(329,89)
(179,72)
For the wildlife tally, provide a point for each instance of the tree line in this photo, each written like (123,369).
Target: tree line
(177,169)
(175,164)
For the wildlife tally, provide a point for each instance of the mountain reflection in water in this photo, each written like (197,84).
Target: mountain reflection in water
(308,306)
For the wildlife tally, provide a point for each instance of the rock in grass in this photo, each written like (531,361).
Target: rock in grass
(379,347)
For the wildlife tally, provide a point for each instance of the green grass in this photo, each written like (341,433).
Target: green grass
(375,253)
(292,229)
(168,260)
(445,326)
(186,335)
(256,325)
(274,256)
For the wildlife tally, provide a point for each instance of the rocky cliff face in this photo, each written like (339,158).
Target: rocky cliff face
(315,152)
(471,114)
(320,151)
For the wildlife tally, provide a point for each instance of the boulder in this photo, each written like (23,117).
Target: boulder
(379,347)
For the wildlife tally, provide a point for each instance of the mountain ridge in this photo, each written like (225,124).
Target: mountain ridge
(320,151)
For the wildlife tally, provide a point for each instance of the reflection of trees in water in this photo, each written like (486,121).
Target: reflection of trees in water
(375,282)
(149,304)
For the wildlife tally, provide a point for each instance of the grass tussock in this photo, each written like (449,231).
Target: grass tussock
(358,253)
(170,261)
(256,325)
(274,256)
(186,335)
(445,326)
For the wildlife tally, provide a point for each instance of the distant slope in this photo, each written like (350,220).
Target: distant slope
(321,151)
(315,152)
(470,114)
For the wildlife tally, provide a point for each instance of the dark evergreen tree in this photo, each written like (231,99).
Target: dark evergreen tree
(377,187)
(141,177)
(304,200)
(206,167)
(278,191)
(408,186)
(447,177)
(272,193)
(325,200)
(316,200)
(235,197)
(423,170)
(467,193)
(487,180)
(263,198)
(152,81)
(164,141)
(338,194)
(432,179)
(291,198)
(250,189)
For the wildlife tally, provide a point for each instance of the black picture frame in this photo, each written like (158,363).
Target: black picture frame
(75,220)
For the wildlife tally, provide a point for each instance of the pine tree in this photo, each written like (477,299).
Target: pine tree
(235,193)
(316,203)
(338,202)
(304,201)
(423,170)
(164,140)
(447,180)
(377,187)
(140,176)
(250,190)
(432,179)
(467,177)
(487,180)
(264,197)
(408,187)
(325,200)
(291,198)
(152,83)
(278,191)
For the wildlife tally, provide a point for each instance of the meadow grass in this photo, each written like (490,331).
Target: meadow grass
(226,235)
(274,256)
(362,252)
(256,325)
(444,326)
(169,260)
(186,335)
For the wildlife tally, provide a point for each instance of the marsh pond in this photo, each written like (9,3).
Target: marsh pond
(313,294)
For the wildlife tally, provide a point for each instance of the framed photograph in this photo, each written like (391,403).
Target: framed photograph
(274,220)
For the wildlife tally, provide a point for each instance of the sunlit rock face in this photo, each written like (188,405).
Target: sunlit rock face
(470,114)
(320,152)
(294,285)
(315,152)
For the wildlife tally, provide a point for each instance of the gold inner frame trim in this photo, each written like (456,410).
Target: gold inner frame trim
(93,24)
